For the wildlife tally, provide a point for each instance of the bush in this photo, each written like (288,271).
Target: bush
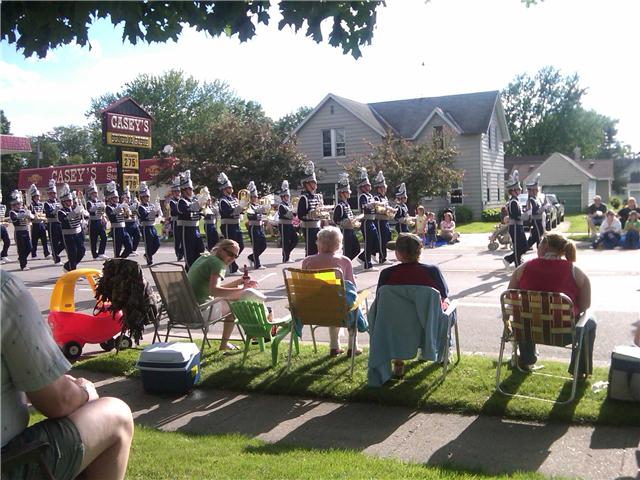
(491,215)
(615,202)
(463,214)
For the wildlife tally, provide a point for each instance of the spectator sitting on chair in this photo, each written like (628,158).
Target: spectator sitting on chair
(610,231)
(206,275)
(410,271)
(448,229)
(595,214)
(552,273)
(632,231)
(623,213)
(329,243)
(86,434)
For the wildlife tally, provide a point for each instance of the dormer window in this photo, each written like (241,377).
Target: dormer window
(438,137)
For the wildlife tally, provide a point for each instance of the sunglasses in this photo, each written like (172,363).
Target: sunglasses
(231,254)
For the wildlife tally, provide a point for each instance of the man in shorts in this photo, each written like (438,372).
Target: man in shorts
(84,433)
(595,214)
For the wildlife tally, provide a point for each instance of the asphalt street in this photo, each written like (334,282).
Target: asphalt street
(475,276)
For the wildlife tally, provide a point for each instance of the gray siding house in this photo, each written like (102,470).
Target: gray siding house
(339,131)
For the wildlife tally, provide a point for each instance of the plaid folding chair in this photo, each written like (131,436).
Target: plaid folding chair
(544,318)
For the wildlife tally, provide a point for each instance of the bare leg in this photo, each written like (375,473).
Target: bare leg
(227,327)
(106,429)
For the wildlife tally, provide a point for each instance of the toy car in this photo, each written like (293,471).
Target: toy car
(72,330)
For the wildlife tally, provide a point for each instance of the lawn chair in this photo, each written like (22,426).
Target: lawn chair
(545,318)
(32,452)
(318,298)
(180,306)
(252,317)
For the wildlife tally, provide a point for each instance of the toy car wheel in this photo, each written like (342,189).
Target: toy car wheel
(124,342)
(493,246)
(108,345)
(72,350)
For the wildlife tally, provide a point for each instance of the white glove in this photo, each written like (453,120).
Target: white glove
(238,210)
(194,207)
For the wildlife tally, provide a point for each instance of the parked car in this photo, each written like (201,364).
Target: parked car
(551,214)
(559,206)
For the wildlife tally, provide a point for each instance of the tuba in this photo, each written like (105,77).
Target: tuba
(244,198)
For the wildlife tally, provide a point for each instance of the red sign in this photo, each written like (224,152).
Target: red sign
(120,123)
(81,175)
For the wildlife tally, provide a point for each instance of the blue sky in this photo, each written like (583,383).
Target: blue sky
(419,49)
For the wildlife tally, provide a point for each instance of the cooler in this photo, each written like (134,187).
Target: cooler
(624,374)
(169,367)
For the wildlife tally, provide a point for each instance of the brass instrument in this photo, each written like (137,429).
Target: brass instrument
(158,209)
(126,211)
(204,198)
(267,203)
(244,198)
(294,203)
(356,221)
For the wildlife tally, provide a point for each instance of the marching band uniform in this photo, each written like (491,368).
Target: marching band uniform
(309,201)
(255,213)
(51,207)
(288,234)
(20,217)
(382,220)
(230,212)
(115,214)
(402,213)
(4,234)
(189,218)
(343,217)
(368,225)
(175,228)
(97,223)
(148,213)
(131,224)
(516,229)
(70,216)
(534,207)
(210,218)
(38,225)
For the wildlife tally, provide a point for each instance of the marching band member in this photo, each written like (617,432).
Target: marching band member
(115,214)
(188,219)
(307,205)
(210,219)
(402,213)
(536,213)
(516,229)
(4,234)
(70,216)
(366,204)
(20,217)
(97,223)
(131,224)
(175,228)
(148,213)
(382,219)
(343,217)
(288,234)
(38,225)
(255,214)
(51,207)
(230,212)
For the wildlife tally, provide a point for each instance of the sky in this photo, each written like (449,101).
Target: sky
(419,49)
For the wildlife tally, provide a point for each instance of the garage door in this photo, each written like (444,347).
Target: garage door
(569,194)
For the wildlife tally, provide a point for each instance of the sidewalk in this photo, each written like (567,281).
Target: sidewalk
(475,442)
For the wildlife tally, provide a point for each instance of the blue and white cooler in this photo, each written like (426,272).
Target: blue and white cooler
(169,367)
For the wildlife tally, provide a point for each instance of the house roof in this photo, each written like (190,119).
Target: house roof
(468,113)
(600,169)
(12,144)
(522,164)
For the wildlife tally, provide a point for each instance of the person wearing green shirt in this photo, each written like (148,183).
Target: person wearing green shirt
(206,275)
(632,231)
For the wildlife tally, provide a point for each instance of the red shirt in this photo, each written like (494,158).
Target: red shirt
(546,275)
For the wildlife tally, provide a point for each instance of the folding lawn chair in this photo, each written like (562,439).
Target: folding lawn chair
(544,318)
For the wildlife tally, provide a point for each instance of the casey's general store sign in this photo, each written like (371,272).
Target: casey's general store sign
(126,124)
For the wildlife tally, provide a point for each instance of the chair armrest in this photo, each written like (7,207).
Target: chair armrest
(582,321)
(451,308)
(279,321)
(361,297)
(211,301)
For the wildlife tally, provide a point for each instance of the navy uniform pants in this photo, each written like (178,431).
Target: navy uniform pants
(122,247)
(177,239)
(536,233)
(97,231)
(310,238)
(74,245)
(351,246)
(212,235)
(233,232)
(39,232)
(133,229)
(519,241)
(23,244)
(6,241)
(384,236)
(55,237)
(289,238)
(151,242)
(402,228)
(192,244)
(258,243)
(370,235)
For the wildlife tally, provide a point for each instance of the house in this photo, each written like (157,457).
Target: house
(575,182)
(629,171)
(339,131)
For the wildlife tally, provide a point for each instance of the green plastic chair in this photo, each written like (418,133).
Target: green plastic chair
(252,318)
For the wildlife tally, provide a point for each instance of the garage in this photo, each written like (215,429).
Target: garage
(570,195)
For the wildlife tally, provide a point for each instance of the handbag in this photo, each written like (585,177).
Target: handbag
(624,374)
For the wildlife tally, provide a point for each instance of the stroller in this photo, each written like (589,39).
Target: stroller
(500,236)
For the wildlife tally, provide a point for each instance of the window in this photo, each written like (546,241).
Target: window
(438,137)
(489,136)
(456,194)
(498,183)
(334,143)
(488,190)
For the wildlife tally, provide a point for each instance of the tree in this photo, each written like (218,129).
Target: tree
(245,148)
(287,124)
(427,169)
(10,165)
(37,27)
(5,124)
(180,104)
(74,144)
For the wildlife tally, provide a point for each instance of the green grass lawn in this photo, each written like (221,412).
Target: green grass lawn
(578,223)
(468,388)
(476,227)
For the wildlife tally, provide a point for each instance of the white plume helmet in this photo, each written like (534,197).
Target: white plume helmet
(284,188)
(534,183)
(126,192)
(93,188)
(401,190)
(343,182)
(15,197)
(205,191)
(111,190)
(309,173)
(52,186)
(514,181)
(185,180)
(175,183)
(223,181)
(379,180)
(363,177)
(144,189)
(33,190)
(65,192)
(253,191)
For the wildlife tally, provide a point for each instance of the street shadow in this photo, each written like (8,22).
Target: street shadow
(489,281)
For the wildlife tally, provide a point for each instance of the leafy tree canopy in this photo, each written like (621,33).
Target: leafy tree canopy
(5,124)
(37,27)
(287,124)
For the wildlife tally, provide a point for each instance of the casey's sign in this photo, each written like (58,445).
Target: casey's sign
(120,123)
